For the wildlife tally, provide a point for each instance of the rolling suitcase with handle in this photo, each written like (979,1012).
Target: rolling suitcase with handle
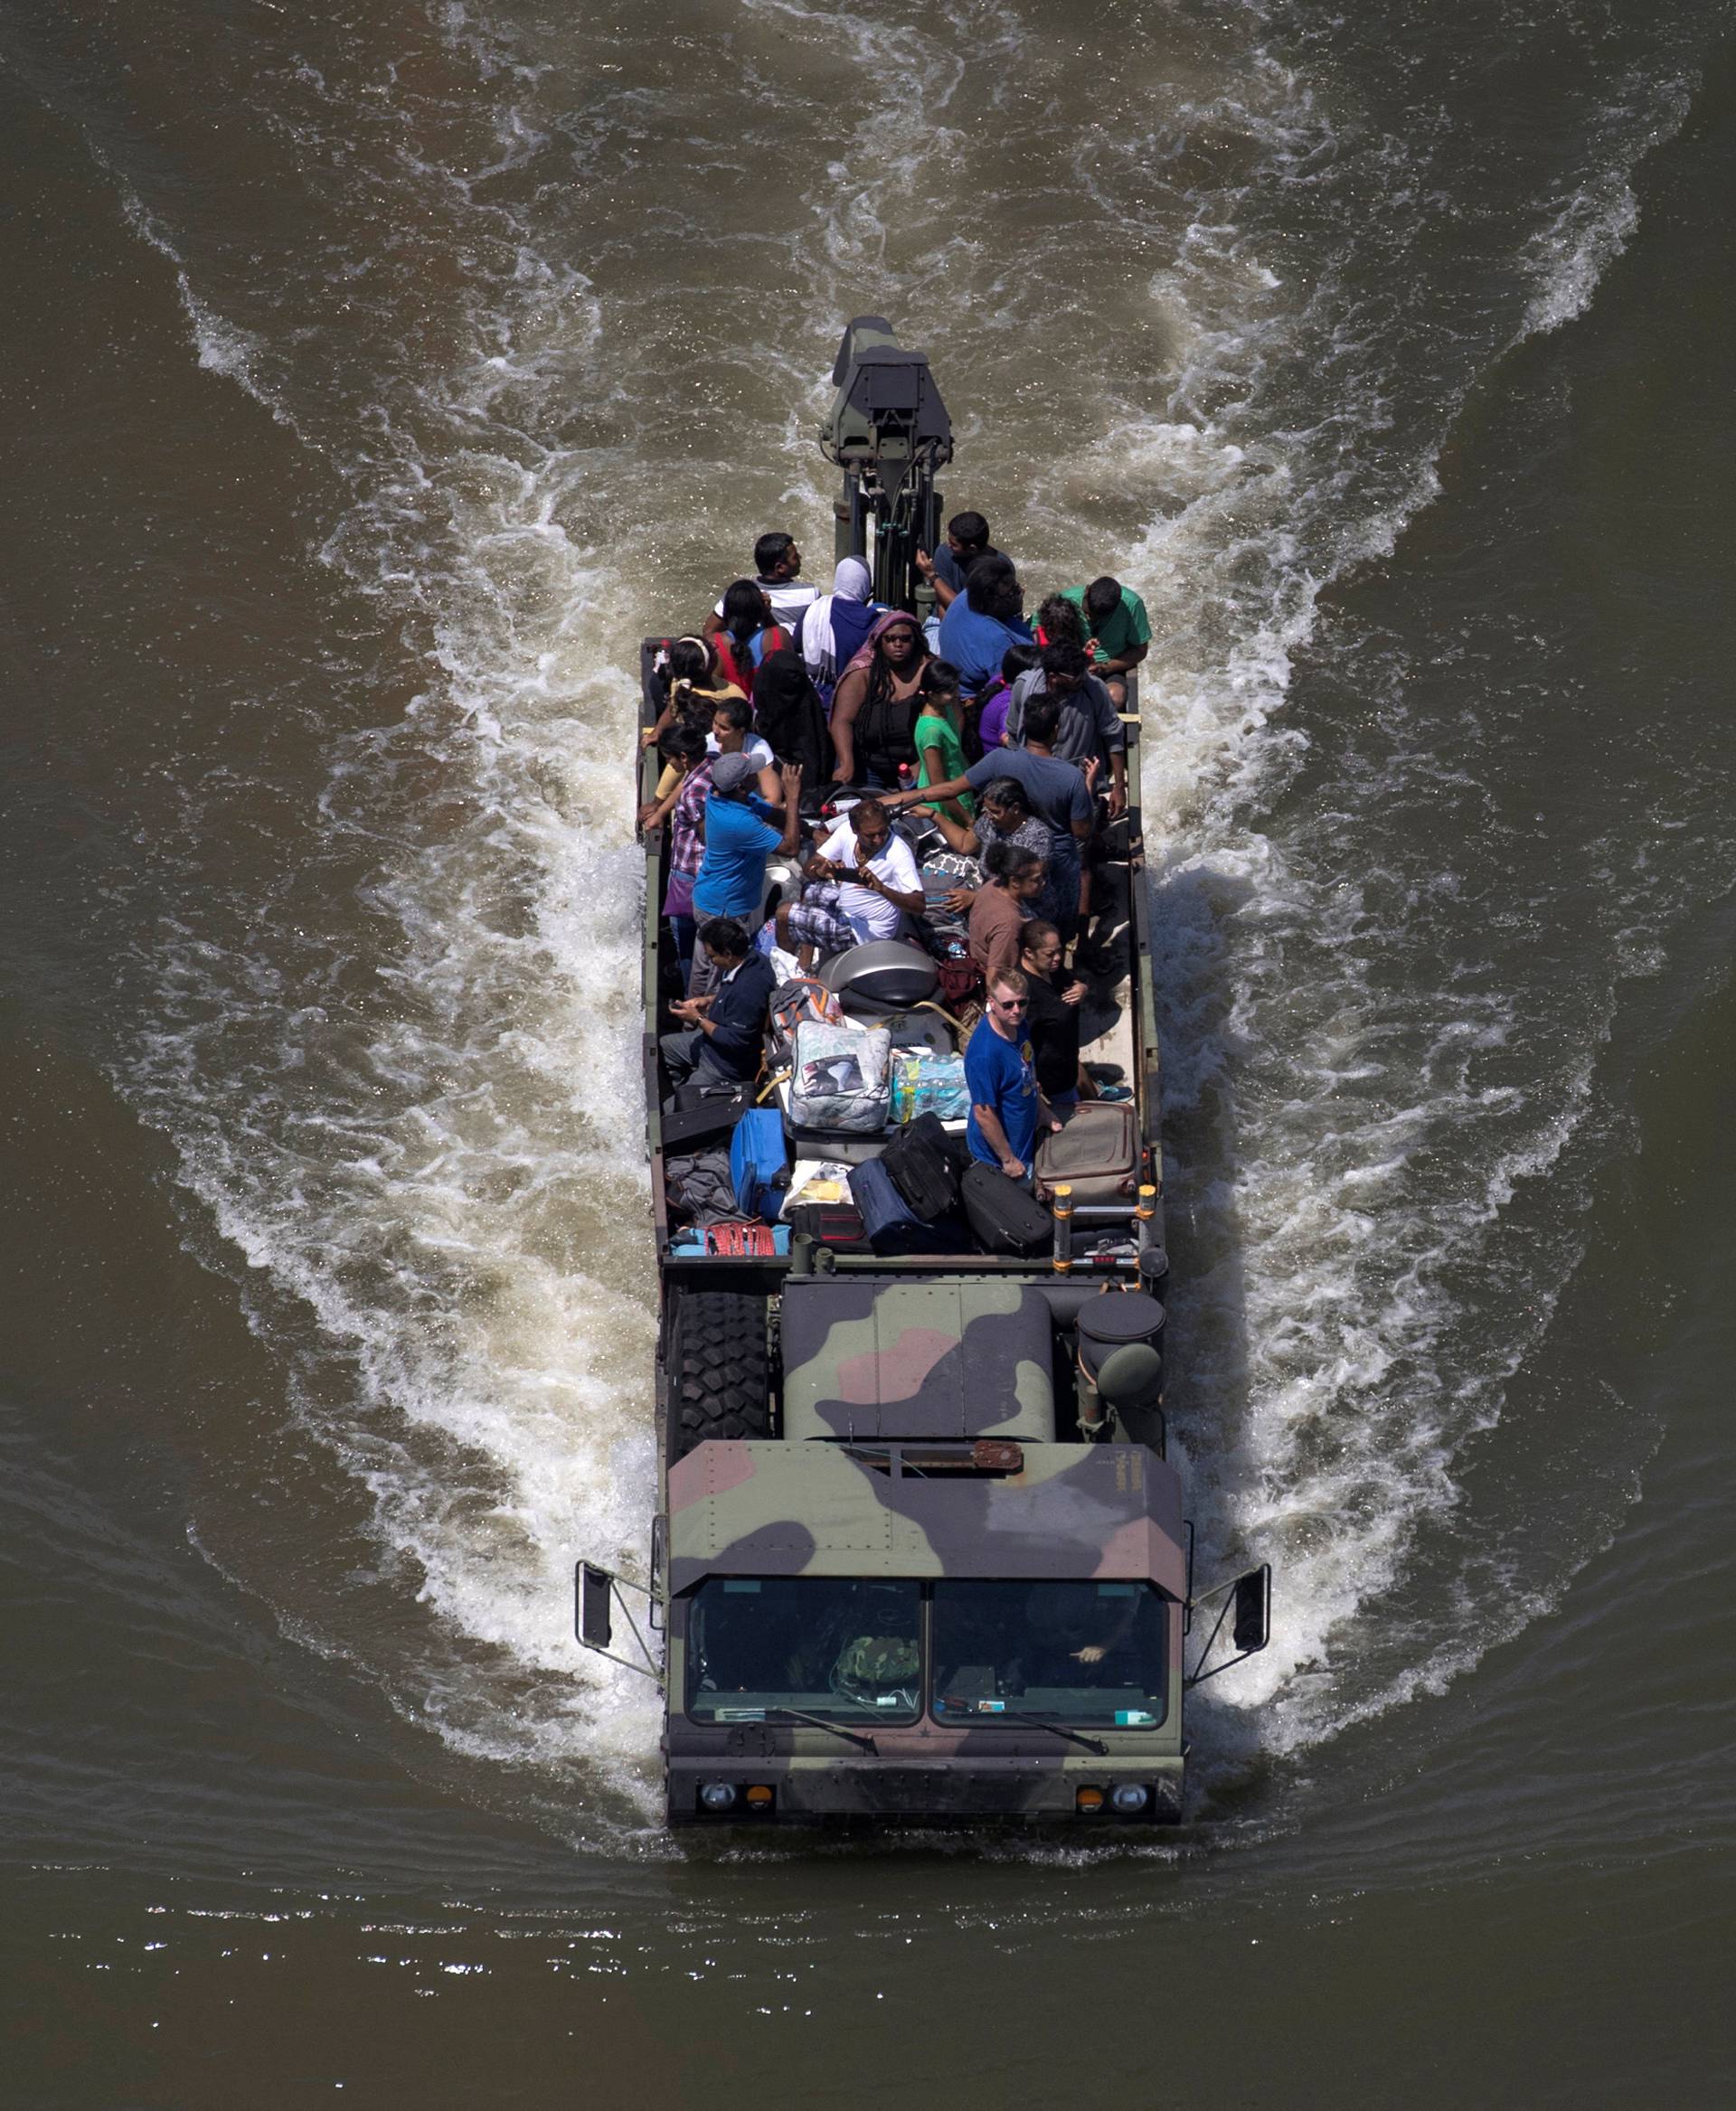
(1095,1152)
(757,1164)
(1005,1217)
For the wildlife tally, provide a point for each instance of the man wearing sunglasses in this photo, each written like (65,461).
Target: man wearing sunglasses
(1001,1077)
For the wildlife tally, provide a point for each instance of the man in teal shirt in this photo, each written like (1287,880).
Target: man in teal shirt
(1118,631)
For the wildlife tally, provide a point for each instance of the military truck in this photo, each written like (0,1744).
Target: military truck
(919,1557)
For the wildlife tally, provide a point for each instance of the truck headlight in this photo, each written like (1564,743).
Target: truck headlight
(717,1796)
(1130,1795)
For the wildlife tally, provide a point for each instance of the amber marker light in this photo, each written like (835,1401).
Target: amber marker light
(1089,1799)
(759,1797)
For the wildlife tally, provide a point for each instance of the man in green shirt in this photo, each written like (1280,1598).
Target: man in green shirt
(1118,631)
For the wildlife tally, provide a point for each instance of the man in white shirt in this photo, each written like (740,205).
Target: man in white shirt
(882,888)
(777,561)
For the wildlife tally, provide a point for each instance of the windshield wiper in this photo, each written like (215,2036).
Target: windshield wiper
(1060,1730)
(851,1737)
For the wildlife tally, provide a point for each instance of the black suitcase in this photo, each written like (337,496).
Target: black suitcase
(834,1224)
(1005,1217)
(922,1168)
(703,1110)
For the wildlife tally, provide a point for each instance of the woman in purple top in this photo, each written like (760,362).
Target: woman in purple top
(991,724)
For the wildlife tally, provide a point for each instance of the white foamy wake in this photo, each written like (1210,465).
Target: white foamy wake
(1327,1392)
(1589,228)
(462,1207)
(460,1204)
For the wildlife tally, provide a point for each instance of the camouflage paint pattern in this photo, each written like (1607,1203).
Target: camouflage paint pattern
(888,1357)
(1104,1510)
(889,1383)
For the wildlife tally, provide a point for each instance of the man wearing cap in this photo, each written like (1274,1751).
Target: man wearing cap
(739,839)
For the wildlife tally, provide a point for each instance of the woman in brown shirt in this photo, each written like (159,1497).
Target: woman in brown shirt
(999,911)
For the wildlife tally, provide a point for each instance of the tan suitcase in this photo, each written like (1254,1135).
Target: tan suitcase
(1095,1153)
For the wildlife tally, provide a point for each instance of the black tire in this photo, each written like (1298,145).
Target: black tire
(720,1372)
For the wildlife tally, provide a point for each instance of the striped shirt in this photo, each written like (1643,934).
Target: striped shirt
(685,846)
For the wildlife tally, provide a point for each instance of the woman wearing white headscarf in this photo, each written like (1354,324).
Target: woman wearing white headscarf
(835,628)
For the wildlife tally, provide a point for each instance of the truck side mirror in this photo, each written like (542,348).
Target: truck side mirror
(1253,1614)
(595,1594)
(1246,1609)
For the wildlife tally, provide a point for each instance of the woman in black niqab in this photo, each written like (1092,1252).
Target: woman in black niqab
(789,716)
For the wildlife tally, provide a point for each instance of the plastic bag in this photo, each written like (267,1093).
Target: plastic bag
(926,1083)
(840,1077)
(817,1180)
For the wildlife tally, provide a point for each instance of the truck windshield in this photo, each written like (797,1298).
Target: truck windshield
(844,1649)
(1081,1653)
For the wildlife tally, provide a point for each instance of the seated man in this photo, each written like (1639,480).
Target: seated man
(861,886)
(1000,1075)
(777,562)
(1089,728)
(946,570)
(723,1032)
(740,837)
(1000,907)
(1118,631)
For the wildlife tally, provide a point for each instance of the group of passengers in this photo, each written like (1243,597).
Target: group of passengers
(1003,734)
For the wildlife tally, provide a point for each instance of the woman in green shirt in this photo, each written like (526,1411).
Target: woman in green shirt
(940,752)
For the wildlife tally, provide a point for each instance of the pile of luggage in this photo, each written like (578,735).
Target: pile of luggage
(862,1146)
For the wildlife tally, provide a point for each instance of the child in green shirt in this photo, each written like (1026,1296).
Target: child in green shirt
(940,752)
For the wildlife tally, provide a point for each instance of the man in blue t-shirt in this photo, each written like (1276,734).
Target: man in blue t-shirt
(740,837)
(982,623)
(949,567)
(1001,1077)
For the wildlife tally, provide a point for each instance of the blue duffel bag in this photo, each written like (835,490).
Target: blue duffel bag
(888,1223)
(758,1166)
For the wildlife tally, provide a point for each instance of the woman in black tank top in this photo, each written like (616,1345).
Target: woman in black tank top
(874,712)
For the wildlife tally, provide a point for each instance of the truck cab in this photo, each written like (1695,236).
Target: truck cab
(930,1594)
